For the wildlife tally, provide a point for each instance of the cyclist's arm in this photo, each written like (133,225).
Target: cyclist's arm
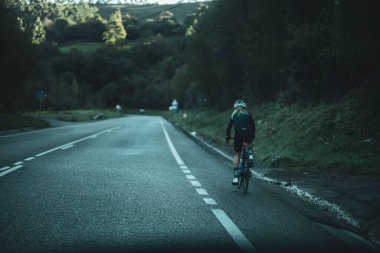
(228,130)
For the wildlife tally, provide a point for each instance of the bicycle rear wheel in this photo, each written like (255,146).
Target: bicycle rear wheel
(245,180)
(241,181)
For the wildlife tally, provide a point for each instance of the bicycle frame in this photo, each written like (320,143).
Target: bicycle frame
(244,173)
(244,170)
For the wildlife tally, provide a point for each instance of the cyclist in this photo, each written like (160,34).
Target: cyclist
(245,130)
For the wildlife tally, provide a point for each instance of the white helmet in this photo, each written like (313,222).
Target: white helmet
(239,103)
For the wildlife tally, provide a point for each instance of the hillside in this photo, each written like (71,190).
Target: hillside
(336,138)
(141,12)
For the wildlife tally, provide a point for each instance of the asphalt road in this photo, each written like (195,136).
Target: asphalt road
(139,184)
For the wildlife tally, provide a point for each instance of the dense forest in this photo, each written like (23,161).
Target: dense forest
(294,51)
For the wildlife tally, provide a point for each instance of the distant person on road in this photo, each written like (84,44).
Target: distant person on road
(245,130)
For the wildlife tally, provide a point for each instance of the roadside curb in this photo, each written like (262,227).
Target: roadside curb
(369,229)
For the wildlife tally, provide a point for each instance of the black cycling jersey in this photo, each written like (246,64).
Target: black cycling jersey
(244,127)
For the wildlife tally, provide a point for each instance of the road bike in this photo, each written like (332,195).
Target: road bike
(244,173)
(244,169)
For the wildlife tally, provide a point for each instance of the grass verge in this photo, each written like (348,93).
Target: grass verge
(18,121)
(340,138)
(79,115)
(39,119)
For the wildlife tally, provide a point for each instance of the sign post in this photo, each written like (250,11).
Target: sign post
(41,95)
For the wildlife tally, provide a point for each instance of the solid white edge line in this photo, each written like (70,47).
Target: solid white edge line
(233,230)
(10,170)
(71,143)
(171,146)
(4,168)
(67,147)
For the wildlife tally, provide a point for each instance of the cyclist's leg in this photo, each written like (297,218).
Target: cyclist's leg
(238,144)
(248,142)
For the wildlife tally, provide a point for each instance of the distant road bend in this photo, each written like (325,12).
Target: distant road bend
(138,184)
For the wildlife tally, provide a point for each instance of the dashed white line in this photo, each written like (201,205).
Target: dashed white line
(191,177)
(18,163)
(196,183)
(29,158)
(227,223)
(10,170)
(209,201)
(4,168)
(201,191)
(233,230)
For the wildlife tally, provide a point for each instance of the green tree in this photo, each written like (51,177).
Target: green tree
(18,62)
(115,32)
(39,34)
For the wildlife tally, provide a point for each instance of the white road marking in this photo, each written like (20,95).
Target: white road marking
(228,224)
(209,201)
(201,191)
(233,230)
(186,171)
(4,168)
(67,147)
(71,143)
(10,170)
(183,167)
(323,203)
(171,146)
(196,183)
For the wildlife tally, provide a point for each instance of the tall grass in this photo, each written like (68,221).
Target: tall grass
(79,115)
(340,138)
(18,121)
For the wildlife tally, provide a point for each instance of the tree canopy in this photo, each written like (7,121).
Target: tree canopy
(264,50)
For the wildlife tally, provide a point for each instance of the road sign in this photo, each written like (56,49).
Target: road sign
(41,95)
